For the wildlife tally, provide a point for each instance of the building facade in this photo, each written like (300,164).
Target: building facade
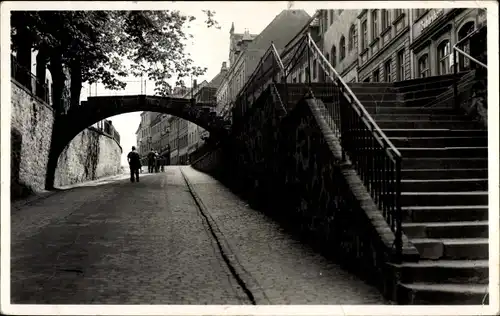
(245,52)
(386,45)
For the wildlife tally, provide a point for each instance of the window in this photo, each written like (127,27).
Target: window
(387,71)
(364,35)
(419,12)
(401,65)
(375,31)
(314,70)
(385,19)
(340,12)
(352,38)
(376,76)
(294,80)
(342,48)
(444,57)
(334,56)
(331,16)
(423,66)
(367,79)
(463,62)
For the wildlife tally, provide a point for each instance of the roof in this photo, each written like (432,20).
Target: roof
(280,32)
(138,128)
(217,80)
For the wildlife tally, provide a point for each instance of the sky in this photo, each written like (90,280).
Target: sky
(209,48)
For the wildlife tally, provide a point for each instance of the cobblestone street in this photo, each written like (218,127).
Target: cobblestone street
(118,242)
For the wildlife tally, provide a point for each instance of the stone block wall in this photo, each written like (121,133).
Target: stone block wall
(293,167)
(31,131)
(90,155)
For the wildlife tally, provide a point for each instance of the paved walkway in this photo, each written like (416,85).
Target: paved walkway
(116,242)
(119,243)
(284,270)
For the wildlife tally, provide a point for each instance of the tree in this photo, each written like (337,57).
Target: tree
(106,46)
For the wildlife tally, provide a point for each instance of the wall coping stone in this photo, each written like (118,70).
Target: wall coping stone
(38,99)
(357,187)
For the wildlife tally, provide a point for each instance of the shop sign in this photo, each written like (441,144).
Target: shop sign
(430,17)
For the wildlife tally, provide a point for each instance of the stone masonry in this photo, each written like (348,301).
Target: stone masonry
(90,155)
(294,167)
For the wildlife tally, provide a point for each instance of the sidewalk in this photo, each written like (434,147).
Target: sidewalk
(283,270)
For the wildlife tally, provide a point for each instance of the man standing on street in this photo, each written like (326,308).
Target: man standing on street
(134,161)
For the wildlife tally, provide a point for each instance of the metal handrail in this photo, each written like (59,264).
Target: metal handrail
(364,112)
(277,56)
(455,47)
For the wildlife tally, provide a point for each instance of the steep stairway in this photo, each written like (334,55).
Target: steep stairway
(444,190)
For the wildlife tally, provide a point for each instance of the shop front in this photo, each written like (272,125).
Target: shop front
(434,33)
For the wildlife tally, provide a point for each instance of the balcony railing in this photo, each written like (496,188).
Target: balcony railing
(29,80)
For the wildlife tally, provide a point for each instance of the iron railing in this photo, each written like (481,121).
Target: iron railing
(376,160)
(269,70)
(462,59)
(29,80)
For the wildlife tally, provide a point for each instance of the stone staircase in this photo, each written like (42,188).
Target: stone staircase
(444,190)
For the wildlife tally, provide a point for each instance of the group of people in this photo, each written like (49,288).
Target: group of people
(155,163)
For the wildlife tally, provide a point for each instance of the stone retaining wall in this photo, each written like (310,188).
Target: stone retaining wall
(292,168)
(89,156)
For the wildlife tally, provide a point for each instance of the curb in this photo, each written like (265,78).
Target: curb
(42,195)
(244,278)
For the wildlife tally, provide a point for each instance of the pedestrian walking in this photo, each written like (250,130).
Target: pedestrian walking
(151,161)
(134,162)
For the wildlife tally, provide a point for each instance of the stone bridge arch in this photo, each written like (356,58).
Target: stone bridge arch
(76,119)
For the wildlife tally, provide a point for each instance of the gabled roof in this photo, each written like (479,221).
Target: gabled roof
(280,31)
(217,80)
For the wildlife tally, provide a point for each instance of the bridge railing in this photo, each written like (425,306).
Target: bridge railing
(29,80)
(376,160)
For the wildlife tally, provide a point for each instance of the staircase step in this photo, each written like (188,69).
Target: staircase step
(444,152)
(432,174)
(434,132)
(401,110)
(424,93)
(444,185)
(444,163)
(451,294)
(418,117)
(370,89)
(432,142)
(475,229)
(444,198)
(418,214)
(379,97)
(426,124)
(451,248)
(444,271)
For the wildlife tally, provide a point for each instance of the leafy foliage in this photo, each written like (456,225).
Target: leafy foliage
(106,46)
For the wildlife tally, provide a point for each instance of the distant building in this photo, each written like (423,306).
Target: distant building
(246,50)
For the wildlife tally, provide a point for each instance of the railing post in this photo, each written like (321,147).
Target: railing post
(455,71)
(308,64)
(399,219)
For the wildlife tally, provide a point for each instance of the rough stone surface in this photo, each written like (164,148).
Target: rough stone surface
(31,121)
(289,167)
(89,156)
(284,269)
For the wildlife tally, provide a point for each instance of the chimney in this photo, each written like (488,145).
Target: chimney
(224,66)
(195,84)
